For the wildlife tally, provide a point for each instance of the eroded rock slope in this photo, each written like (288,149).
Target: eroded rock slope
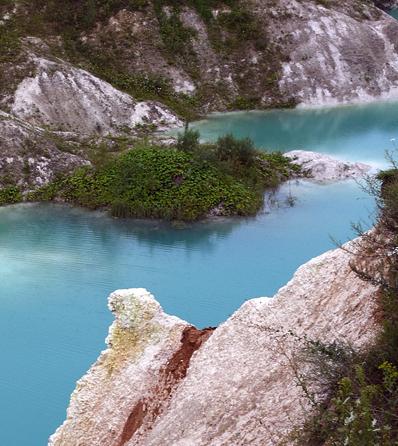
(239,387)
(71,99)
(31,156)
(116,68)
(236,54)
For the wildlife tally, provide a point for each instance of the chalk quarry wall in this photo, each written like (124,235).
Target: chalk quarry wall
(236,385)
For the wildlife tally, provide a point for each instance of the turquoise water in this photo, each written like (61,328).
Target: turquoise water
(58,264)
(351,132)
(394,13)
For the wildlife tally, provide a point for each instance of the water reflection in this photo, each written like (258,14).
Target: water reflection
(351,132)
(33,220)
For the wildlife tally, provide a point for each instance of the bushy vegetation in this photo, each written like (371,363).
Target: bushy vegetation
(9,41)
(184,182)
(361,403)
(239,21)
(175,35)
(10,195)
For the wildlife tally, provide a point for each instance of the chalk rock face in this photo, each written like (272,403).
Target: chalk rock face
(323,168)
(339,54)
(71,99)
(240,386)
(31,156)
(292,51)
(131,382)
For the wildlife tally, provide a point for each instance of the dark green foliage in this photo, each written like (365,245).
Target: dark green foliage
(239,159)
(361,405)
(245,103)
(239,21)
(182,183)
(79,15)
(234,150)
(175,36)
(10,195)
(157,183)
(188,141)
(9,42)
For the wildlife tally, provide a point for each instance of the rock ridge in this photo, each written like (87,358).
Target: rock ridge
(239,387)
(148,355)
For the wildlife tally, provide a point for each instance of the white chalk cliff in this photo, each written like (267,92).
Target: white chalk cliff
(71,99)
(340,54)
(162,382)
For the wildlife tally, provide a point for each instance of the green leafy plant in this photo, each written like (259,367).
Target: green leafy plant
(10,195)
(184,182)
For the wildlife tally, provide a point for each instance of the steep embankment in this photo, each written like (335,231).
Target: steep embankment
(70,99)
(124,68)
(34,155)
(239,387)
(213,55)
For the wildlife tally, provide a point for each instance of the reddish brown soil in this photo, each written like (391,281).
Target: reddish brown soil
(148,408)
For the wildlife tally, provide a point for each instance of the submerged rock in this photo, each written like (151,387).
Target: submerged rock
(239,387)
(324,168)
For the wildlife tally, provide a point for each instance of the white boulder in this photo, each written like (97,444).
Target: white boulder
(324,168)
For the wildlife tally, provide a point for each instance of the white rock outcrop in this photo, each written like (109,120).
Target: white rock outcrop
(148,353)
(323,168)
(71,99)
(32,156)
(240,386)
(345,53)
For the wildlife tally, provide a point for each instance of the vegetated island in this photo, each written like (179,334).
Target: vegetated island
(184,181)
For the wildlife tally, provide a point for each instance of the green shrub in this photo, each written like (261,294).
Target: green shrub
(245,103)
(188,141)
(360,407)
(183,182)
(10,195)
(9,43)
(175,36)
(240,22)
(232,149)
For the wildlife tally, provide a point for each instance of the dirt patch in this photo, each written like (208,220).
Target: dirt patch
(145,412)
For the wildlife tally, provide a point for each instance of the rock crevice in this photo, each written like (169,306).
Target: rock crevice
(146,411)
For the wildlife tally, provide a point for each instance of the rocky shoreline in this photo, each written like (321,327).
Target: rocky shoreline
(323,168)
(293,53)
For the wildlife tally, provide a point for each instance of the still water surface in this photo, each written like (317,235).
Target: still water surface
(58,264)
(355,133)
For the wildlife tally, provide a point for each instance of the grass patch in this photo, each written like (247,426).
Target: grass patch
(9,42)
